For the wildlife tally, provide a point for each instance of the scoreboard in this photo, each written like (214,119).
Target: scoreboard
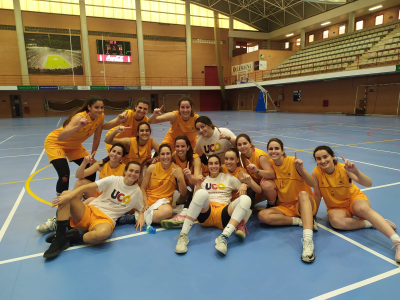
(113,51)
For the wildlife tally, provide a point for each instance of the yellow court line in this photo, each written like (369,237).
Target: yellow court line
(31,180)
(358,144)
(28,188)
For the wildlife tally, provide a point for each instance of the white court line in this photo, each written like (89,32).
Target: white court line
(379,186)
(373,165)
(7,261)
(58,122)
(19,155)
(21,148)
(359,245)
(7,139)
(358,285)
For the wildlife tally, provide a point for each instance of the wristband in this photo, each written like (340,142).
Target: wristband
(258,171)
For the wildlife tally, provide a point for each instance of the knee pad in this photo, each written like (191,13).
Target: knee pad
(245,202)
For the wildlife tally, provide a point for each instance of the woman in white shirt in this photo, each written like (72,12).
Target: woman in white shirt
(120,195)
(213,140)
(212,206)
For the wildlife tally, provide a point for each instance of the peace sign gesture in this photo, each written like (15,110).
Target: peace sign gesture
(223,135)
(83,121)
(297,162)
(349,166)
(157,111)
(252,168)
(89,159)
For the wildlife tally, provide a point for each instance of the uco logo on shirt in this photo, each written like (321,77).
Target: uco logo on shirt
(214,186)
(212,147)
(120,197)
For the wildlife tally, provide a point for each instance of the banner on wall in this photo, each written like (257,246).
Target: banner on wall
(260,65)
(53,54)
(243,67)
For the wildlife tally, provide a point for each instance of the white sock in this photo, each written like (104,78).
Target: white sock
(184,212)
(395,238)
(229,229)
(307,234)
(297,221)
(368,224)
(187,225)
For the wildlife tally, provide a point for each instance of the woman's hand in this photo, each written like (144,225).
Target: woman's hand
(157,111)
(349,166)
(140,222)
(298,163)
(223,136)
(252,168)
(64,198)
(83,121)
(122,117)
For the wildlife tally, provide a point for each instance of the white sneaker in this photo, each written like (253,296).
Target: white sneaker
(308,251)
(49,225)
(183,240)
(221,243)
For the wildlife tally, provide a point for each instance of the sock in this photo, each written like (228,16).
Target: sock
(395,238)
(61,230)
(187,225)
(248,215)
(229,229)
(368,224)
(297,221)
(307,234)
(184,212)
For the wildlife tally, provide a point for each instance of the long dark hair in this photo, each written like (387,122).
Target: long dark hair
(219,159)
(88,102)
(205,120)
(189,153)
(107,159)
(190,102)
(279,142)
(243,135)
(327,149)
(137,135)
(234,150)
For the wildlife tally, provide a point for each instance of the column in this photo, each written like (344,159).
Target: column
(217,40)
(302,38)
(21,42)
(85,42)
(230,40)
(189,73)
(139,34)
(352,19)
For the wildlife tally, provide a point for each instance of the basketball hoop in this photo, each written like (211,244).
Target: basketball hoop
(242,77)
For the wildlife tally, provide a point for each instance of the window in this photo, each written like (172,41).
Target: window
(287,45)
(359,25)
(379,20)
(298,42)
(325,34)
(342,29)
(311,38)
(399,14)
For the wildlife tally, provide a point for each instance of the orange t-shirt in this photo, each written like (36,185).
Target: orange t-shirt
(144,151)
(183,165)
(108,171)
(181,127)
(78,137)
(254,159)
(130,122)
(336,188)
(162,184)
(235,173)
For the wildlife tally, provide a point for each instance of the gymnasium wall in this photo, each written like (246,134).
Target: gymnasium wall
(380,100)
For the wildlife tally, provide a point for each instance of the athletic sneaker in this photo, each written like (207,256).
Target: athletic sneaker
(58,245)
(242,229)
(397,256)
(183,240)
(308,251)
(221,243)
(127,219)
(173,223)
(70,234)
(49,225)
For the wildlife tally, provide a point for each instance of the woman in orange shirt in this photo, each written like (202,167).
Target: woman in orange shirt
(257,164)
(182,122)
(66,142)
(343,198)
(295,199)
(159,184)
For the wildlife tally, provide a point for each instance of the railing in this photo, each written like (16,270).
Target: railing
(323,66)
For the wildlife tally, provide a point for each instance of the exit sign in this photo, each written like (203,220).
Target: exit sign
(398,68)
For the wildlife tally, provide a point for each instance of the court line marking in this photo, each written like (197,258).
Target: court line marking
(379,186)
(21,148)
(19,155)
(357,285)
(7,139)
(7,261)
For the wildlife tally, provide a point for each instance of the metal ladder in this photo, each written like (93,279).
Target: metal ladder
(266,95)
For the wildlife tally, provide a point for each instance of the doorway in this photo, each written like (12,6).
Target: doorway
(154,101)
(211,76)
(16,106)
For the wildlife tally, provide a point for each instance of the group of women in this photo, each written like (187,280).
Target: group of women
(219,177)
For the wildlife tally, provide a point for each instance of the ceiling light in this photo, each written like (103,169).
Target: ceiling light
(290,34)
(376,7)
(326,23)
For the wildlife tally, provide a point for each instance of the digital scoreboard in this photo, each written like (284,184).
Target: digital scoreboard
(113,51)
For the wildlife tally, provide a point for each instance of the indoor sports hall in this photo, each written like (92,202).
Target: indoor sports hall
(311,73)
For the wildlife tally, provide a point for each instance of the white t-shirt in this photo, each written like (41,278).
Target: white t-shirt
(117,198)
(220,188)
(213,145)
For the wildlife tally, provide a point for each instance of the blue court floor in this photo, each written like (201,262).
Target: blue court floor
(266,265)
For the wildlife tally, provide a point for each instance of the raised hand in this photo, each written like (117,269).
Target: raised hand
(223,136)
(349,166)
(252,168)
(186,171)
(122,117)
(83,121)
(89,159)
(297,162)
(244,177)
(157,111)
(121,129)
(200,179)
(176,172)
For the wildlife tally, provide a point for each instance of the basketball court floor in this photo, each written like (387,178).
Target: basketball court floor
(266,265)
